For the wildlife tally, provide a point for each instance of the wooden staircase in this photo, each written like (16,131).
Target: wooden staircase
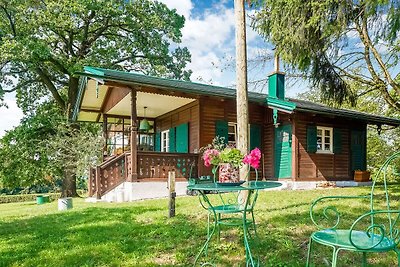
(152,166)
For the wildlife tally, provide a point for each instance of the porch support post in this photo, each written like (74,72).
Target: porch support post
(98,182)
(105,135)
(295,150)
(133,176)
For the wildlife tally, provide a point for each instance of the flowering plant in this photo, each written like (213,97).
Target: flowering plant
(218,152)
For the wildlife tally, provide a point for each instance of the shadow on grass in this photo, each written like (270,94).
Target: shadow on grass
(98,236)
(285,231)
(141,235)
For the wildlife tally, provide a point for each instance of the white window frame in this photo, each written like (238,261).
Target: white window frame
(234,125)
(322,149)
(165,141)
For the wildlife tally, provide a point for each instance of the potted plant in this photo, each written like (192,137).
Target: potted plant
(228,160)
(361,176)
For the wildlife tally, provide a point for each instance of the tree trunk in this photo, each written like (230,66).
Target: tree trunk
(241,84)
(68,188)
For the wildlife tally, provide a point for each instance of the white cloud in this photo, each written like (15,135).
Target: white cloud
(210,32)
(11,116)
(183,7)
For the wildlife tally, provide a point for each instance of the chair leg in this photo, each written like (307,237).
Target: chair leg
(364,259)
(218,227)
(309,252)
(208,225)
(398,256)
(335,256)
(254,223)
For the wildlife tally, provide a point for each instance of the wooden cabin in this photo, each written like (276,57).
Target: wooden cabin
(299,140)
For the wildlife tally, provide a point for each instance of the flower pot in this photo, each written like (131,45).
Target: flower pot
(228,173)
(361,176)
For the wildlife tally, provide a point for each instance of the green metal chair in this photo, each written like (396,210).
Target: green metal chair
(374,231)
(231,205)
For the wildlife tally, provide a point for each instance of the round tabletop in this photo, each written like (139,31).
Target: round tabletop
(226,187)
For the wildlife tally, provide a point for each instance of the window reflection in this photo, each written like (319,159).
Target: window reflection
(118,133)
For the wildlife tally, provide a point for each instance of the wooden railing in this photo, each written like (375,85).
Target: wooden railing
(117,169)
(158,164)
(107,175)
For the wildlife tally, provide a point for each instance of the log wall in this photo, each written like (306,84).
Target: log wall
(186,114)
(322,166)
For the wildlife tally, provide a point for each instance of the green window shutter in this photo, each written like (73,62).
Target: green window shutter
(255,136)
(221,129)
(158,141)
(172,140)
(337,141)
(312,138)
(182,138)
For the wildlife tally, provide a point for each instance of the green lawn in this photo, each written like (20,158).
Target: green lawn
(140,234)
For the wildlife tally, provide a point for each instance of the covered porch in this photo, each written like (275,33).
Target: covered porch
(133,152)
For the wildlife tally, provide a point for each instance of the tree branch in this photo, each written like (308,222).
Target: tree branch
(379,83)
(59,66)
(355,77)
(378,57)
(49,84)
(88,42)
(12,24)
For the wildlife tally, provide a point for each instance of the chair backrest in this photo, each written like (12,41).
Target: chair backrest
(386,174)
(383,212)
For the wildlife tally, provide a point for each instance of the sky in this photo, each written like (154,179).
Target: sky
(209,34)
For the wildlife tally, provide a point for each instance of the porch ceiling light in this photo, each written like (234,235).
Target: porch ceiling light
(144,124)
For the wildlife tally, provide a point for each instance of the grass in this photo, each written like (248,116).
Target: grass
(140,234)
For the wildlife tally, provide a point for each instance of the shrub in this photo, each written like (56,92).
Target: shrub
(26,197)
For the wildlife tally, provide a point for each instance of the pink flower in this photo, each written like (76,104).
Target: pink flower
(209,155)
(253,158)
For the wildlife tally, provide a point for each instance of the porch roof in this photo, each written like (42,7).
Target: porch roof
(192,88)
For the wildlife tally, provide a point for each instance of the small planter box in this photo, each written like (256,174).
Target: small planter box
(362,176)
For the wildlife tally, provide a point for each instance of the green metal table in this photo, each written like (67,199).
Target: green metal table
(238,206)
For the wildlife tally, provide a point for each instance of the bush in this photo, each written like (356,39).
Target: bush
(26,197)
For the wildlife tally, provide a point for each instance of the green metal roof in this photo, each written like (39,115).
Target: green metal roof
(177,85)
(307,106)
(211,90)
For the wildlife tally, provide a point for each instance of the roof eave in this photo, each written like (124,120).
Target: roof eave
(366,118)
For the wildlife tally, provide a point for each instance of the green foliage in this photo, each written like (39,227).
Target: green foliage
(337,43)
(232,156)
(140,234)
(43,146)
(25,198)
(43,43)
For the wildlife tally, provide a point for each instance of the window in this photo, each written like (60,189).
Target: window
(118,135)
(165,141)
(145,139)
(324,139)
(232,134)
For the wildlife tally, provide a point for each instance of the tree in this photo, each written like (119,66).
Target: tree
(43,43)
(43,146)
(336,43)
(242,105)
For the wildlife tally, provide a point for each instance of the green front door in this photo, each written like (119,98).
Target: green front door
(283,151)
(358,150)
